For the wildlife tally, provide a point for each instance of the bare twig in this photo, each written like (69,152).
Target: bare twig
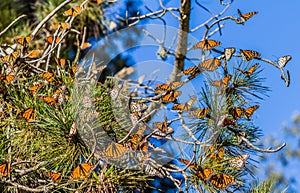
(11,24)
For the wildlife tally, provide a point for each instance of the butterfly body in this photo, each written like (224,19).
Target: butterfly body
(249,72)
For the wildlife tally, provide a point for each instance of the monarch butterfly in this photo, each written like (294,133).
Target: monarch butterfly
(54,176)
(282,61)
(9,78)
(221,83)
(48,100)
(168,86)
(62,24)
(205,174)
(83,45)
(236,112)
(11,57)
(24,41)
(73,70)
(82,171)
(200,113)
(216,156)
(171,96)
(193,72)
(163,128)
(244,17)
(249,54)
(250,71)
(221,180)
(34,88)
(137,138)
(50,39)
(227,122)
(249,111)
(48,76)
(74,11)
(28,114)
(59,94)
(33,53)
(228,52)
(210,64)
(4,170)
(115,150)
(239,161)
(60,61)
(185,106)
(137,107)
(97,1)
(206,44)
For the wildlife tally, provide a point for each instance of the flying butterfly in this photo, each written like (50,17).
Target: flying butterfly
(23,41)
(249,72)
(74,11)
(221,83)
(63,25)
(244,17)
(206,44)
(115,150)
(56,177)
(51,39)
(239,161)
(221,180)
(210,64)
(168,86)
(228,52)
(249,111)
(11,57)
(282,61)
(200,113)
(185,106)
(82,171)
(249,54)
(28,115)
(34,88)
(4,170)
(236,112)
(171,96)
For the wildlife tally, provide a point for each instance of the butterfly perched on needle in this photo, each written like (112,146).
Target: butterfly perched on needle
(82,171)
(23,41)
(203,173)
(228,53)
(222,181)
(249,72)
(56,177)
(73,12)
(250,110)
(206,44)
(221,84)
(249,54)
(216,155)
(239,161)
(29,114)
(282,61)
(200,113)
(237,112)
(33,89)
(60,61)
(48,76)
(5,169)
(244,17)
(210,64)
(8,78)
(33,53)
(185,106)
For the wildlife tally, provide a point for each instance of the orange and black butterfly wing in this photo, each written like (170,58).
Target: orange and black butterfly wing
(236,112)
(192,165)
(54,176)
(4,170)
(222,181)
(249,111)
(249,54)
(210,64)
